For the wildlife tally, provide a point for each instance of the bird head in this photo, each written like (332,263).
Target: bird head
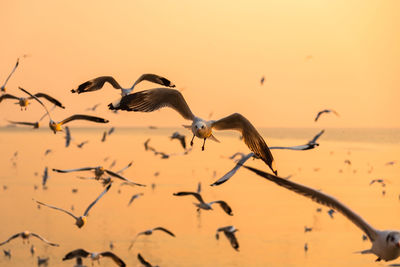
(200,128)
(55,127)
(393,240)
(81,221)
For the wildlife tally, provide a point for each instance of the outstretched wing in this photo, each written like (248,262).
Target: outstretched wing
(196,195)
(122,178)
(250,135)
(301,147)
(154,99)
(154,78)
(319,114)
(126,167)
(81,253)
(232,239)
(96,84)
(50,99)
(164,230)
(83,117)
(37,99)
(224,206)
(75,170)
(11,238)
(135,196)
(8,96)
(320,198)
(143,261)
(229,174)
(9,76)
(114,257)
(56,208)
(44,240)
(97,199)
(23,123)
(316,137)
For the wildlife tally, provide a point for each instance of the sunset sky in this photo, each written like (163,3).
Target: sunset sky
(214,51)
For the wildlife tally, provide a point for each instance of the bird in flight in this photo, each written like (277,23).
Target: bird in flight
(154,99)
(310,145)
(23,102)
(56,126)
(98,83)
(385,244)
(25,235)
(149,232)
(81,220)
(144,262)
(325,111)
(81,253)
(229,232)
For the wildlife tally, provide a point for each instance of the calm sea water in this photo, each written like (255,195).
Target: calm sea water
(270,219)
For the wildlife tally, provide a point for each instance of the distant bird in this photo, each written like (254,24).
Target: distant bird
(80,145)
(381,181)
(99,172)
(325,111)
(146,145)
(347,162)
(229,232)
(135,196)
(180,137)
(81,253)
(81,220)
(32,250)
(3,87)
(149,232)
(24,101)
(390,162)
(67,136)
(206,206)
(111,245)
(7,253)
(154,99)
(43,261)
(262,80)
(331,212)
(144,262)
(239,164)
(112,164)
(111,130)
(385,244)
(56,126)
(305,247)
(310,145)
(307,229)
(45,177)
(103,139)
(98,83)
(26,235)
(48,151)
(93,108)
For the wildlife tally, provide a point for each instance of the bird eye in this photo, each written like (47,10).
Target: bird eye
(202,127)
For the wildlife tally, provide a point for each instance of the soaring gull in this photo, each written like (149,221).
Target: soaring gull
(25,236)
(325,111)
(229,232)
(149,232)
(81,253)
(154,99)
(206,206)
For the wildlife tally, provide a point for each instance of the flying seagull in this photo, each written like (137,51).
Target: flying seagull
(56,126)
(99,172)
(135,196)
(67,136)
(310,145)
(45,177)
(81,253)
(3,87)
(23,102)
(144,262)
(36,124)
(206,206)
(326,111)
(80,145)
(385,244)
(154,99)
(179,137)
(7,253)
(149,232)
(81,220)
(26,235)
(229,232)
(42,261)
(98,83)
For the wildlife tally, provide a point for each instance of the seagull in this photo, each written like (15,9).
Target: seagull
(262,80)
(154,99)
(98,83)
(326,111)
(180,137)
(81,220)
(24,101)
(26,235)
(93,108)
(229,232)
(67,136)
(307,229)
(32,250)
(56,126)
(45,177)
(135,196)
(144,262)
(3,87)
(385,244)
(206,206)
(103,139)
(43,261)
(310,145)
(81,253)
(381,181)
(80,145)
(99,172)
(36,124)
(149,232)
(7,253)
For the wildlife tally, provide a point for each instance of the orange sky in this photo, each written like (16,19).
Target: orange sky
(217,51)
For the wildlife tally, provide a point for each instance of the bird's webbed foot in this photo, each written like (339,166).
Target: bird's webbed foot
(202,148)
(191,141)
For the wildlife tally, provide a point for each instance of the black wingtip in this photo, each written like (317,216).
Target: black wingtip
(110,106)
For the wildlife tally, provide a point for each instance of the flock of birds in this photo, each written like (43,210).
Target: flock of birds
(385,244)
